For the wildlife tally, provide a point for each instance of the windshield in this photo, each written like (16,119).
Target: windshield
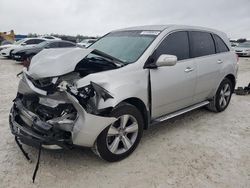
(245,44)
(126,46)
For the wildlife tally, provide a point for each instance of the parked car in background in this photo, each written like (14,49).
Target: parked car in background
(243,49)
(234,44)
(8,48)
(86,42)
(26,53)
(103,97)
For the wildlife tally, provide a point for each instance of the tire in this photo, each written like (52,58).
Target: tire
(10,56)
(222,97)
(117,141)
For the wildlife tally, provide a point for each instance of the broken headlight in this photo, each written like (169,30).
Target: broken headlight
(89,91)
(100,91)
(47,84)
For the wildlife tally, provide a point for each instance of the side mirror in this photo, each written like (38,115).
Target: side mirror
(166,60)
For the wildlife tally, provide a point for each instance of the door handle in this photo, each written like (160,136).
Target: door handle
(189,69)
(219,61)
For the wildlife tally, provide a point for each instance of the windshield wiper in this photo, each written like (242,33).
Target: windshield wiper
(109,58)
(103,59)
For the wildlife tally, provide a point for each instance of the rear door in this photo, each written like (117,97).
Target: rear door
(224,58)
(172,87)
(208,65)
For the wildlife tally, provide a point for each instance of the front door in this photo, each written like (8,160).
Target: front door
(172,87)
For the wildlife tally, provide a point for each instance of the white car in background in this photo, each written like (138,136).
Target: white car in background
(5,50)
(86,42)
(243,49)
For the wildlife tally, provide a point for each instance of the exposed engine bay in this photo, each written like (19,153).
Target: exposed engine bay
(53,108)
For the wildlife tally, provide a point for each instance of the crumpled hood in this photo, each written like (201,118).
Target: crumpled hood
(56,62)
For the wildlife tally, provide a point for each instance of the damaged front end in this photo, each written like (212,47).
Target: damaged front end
(53,113)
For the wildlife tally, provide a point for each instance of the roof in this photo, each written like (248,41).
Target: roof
(170,26)
(147,27)
(178,27)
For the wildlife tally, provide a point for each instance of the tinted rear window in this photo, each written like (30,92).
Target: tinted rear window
(202,43)
(220,45)
(174,44)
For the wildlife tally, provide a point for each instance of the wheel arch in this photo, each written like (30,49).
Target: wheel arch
(139,104)
(232,78)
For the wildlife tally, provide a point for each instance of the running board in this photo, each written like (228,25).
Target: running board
(177,113)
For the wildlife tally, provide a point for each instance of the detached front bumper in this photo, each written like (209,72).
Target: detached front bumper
(60,132)
(35,134)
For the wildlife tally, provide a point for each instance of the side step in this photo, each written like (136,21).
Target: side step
(177,113)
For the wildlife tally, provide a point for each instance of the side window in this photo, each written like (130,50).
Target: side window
(220,45)
(34,41)
(37,41)
(201,44)
(174,44)
(66,44)
(53,45)
(31,41)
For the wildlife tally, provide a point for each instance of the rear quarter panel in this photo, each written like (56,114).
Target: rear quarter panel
(229,66)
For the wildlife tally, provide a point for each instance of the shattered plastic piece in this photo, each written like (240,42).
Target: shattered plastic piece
(243,91)
(37,163)
(23,151)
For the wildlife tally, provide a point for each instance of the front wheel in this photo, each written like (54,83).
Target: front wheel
(120,139)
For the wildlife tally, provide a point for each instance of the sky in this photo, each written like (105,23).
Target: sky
(92,17)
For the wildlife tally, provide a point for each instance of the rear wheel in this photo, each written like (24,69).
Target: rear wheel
(222,97)
(120,139)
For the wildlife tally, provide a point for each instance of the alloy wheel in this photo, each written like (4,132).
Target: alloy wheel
(122,134)
(225,94)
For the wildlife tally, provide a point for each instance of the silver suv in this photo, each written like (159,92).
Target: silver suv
(104,96)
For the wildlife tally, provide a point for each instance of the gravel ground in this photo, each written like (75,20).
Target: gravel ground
(198,149)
